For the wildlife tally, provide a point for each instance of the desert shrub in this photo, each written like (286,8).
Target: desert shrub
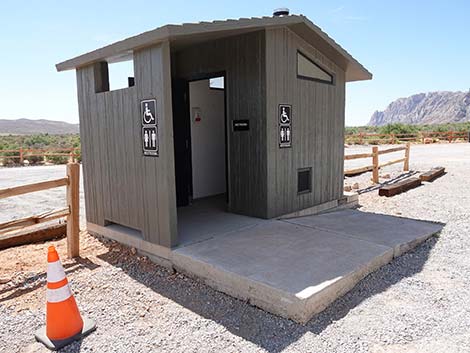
(34,159)
(58,159)
(398,128)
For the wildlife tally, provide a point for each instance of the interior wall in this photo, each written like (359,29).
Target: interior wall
(317,126)
(242,58)
(207,114)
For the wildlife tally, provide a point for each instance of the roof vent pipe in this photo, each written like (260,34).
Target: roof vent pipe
(283,11)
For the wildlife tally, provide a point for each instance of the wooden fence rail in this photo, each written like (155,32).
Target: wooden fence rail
(420,137)
(375,166)
(23,153)
(71,181)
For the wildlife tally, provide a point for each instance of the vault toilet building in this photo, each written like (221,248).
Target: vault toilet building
(269,136)
(225,128)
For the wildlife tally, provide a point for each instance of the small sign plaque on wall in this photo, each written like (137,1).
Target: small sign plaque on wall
(285,125)
(241,125)
(148,113)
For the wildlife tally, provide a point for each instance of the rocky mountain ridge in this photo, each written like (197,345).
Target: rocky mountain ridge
(40,126)
(426,108)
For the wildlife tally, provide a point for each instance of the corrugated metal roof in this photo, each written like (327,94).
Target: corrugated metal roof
(218,29)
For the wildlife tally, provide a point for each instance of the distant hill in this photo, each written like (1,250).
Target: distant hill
(40,126)
(426,108)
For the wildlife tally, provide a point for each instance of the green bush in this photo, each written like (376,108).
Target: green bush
(33,160)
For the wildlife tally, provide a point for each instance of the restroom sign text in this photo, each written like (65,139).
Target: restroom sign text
(148,112)
(285,125)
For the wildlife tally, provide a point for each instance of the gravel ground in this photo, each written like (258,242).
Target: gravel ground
(420,302)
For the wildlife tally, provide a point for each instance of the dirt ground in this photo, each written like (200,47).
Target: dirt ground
(418,303)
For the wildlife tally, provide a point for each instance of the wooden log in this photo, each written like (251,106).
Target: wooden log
(73,202)
(399,187)
(375,164)
(28,221)
(394,149)
(432,174)
(357,156)
(25,189)
(358,170)
(32,235)
(406,163)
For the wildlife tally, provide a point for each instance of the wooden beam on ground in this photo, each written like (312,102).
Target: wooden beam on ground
(25,189)
(28,221)
(432,174)
(399,187)
(33,235)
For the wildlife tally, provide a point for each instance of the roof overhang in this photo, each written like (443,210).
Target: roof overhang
(193,33)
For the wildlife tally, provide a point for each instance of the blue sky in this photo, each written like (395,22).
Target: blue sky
(409,46)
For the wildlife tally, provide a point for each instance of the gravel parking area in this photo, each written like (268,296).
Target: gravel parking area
(420,302)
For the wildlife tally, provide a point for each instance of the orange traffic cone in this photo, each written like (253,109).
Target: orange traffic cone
(63,321)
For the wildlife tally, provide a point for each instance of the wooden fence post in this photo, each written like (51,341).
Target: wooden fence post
(73,203)
(21,156)
(375,164)
(406,163)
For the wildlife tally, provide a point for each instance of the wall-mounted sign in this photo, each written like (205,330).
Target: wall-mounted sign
(241,125)
(197,114)
(148,112)
(285,125)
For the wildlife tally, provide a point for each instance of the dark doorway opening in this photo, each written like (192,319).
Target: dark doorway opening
(200,138)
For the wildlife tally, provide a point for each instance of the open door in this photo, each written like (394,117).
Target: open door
(182,141)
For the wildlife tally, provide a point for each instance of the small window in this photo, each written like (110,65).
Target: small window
(307,69)
(304,180)
(216,83)
(121,75)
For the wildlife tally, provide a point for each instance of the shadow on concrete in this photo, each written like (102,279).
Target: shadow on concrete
(388,182)
(38,280)
(267,331)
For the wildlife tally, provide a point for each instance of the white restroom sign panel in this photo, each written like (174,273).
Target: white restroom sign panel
(285,125)
(148,111)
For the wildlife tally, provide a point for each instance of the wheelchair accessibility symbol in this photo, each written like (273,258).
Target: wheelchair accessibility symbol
(149,111)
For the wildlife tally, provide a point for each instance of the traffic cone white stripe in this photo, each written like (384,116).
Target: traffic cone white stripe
(55,272)
(58,295)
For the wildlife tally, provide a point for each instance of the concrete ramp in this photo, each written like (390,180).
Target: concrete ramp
(296,267)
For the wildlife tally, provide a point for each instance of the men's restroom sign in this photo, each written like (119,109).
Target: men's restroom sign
(285,125)
(148,112)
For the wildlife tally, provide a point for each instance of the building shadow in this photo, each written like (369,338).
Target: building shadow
(266,330)
(39,280)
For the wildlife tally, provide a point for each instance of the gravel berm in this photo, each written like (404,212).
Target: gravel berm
(420,302)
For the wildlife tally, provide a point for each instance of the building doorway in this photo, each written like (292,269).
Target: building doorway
(200,139)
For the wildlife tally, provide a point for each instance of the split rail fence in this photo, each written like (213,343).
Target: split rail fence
(23,153)
(71,212)
(420,137)
(375,166)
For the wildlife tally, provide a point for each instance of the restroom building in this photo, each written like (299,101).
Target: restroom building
(242,117)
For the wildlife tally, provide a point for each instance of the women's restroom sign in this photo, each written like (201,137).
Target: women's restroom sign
(148,112)
(285,125)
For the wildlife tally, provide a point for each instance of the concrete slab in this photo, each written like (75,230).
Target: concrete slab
(207,218)
(399,233)
(296,268)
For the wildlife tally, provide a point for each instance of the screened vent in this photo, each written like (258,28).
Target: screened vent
(307,69)
(304,180)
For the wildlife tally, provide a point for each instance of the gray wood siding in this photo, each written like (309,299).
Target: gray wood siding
(121,185)
(242,57)
(317,126)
